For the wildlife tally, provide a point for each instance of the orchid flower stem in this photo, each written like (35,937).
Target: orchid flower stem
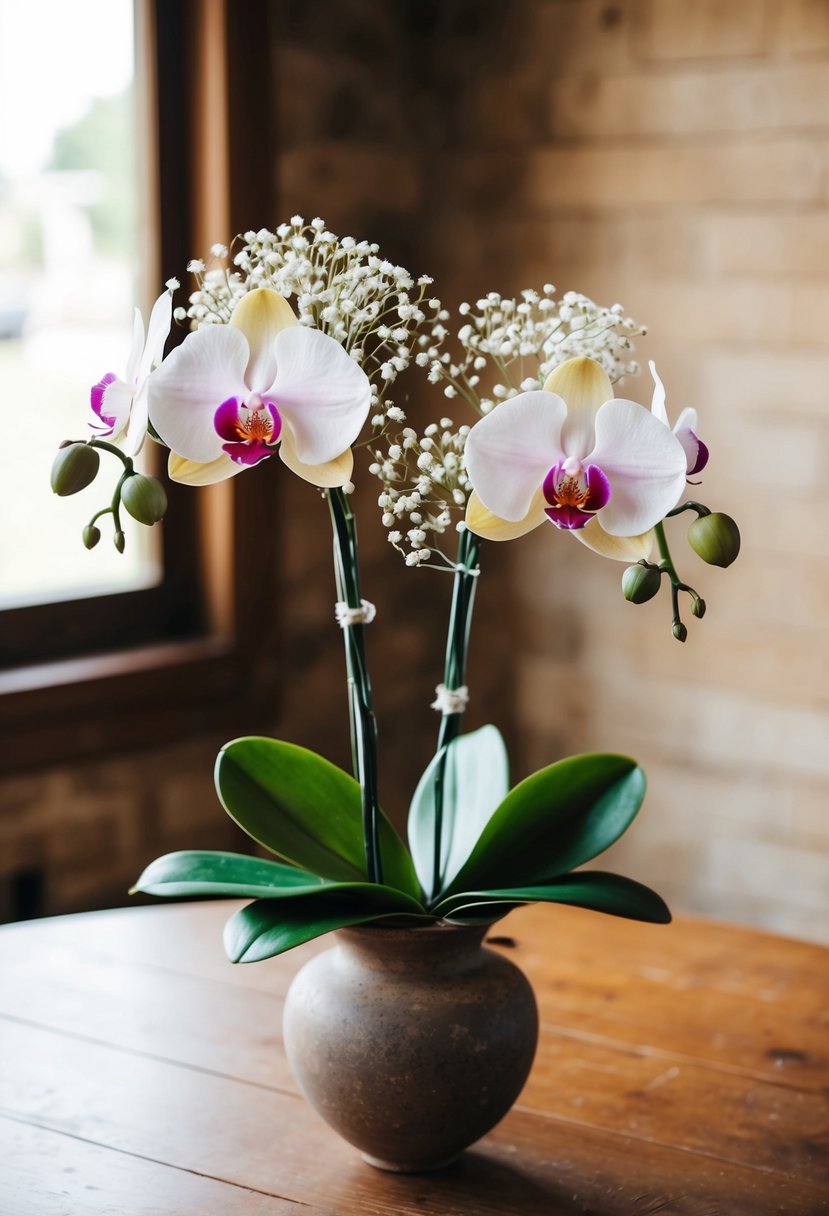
(110,447)
(454,675)
(666,564)
(363,724)
(701,510)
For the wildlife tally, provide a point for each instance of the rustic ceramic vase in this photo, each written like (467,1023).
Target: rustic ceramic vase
(411,1042)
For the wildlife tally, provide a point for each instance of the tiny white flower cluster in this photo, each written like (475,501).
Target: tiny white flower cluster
(338,285)
(507,346)
(424,482)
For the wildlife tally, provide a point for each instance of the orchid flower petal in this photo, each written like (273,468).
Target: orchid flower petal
(321,392)
(509,452)
(158,329)
(137,426)
(483,523)
(190,385)
(261,315)
(644,462)
(329,474)
(696,453)
(658,401)
(191,473)
(116,403)
(134,358)
(619,548)
(585,386)
(687,420)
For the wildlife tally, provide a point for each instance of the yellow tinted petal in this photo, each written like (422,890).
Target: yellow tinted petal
(585,386)
(261,315)
(581,382)
(482,522)
(619,548)
(332,473)
(191,473)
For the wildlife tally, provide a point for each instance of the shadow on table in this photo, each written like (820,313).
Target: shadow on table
(476,1185)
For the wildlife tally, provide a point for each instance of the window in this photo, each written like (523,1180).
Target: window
(171,648)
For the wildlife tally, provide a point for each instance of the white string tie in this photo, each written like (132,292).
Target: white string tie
(451,700)
(346,616)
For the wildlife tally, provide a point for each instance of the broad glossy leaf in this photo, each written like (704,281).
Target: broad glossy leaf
(306,811)
(270,927)
(233,874)
(474,783)
(596,889)
(200,872)
(554,821)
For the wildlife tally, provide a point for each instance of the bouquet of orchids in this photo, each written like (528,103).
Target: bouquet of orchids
(297,339)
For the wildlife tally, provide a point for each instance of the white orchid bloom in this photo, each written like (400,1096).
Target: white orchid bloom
(596,465)
(121,405)
(696,453)
(233,395)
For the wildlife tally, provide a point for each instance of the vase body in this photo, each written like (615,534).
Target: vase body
(410,1042)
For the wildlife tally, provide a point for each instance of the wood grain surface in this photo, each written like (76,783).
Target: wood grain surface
(681,1070)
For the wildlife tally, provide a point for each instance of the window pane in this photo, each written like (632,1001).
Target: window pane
(69,261)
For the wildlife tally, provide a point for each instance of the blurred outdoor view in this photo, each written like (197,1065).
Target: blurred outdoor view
(69,261)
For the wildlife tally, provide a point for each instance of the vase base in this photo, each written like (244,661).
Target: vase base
(404,1167)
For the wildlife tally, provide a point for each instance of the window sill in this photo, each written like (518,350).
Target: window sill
(80,708)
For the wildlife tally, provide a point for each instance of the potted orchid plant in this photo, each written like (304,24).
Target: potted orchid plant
(297,341)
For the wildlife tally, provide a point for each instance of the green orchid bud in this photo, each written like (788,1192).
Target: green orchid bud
(144,498)
(120,541)
(716,538)
(679,631)
(91,536)
(641,583)
(74,468)
(698,608)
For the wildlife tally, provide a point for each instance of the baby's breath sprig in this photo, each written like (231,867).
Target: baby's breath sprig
(503,347)
(424,482)
(342,286)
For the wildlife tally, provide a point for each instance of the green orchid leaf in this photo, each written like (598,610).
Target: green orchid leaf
(595,889)
(272,926)
(234,875)
(199,872)
(306,811)
(475,781)
(554,821)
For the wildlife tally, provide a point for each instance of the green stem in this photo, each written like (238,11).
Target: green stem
(110,447)
(667,564)
(454,675)
(361,713)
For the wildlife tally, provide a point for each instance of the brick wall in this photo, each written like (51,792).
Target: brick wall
(683,170)
(671,155)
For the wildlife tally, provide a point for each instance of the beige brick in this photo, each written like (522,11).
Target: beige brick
(802,26)
(789,170)
(783,246)
(676,29)
(789,447)
(753,98)
(570,247)
(688,723)
(711,312)
(767,381)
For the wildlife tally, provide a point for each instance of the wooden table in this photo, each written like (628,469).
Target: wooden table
(681,1070)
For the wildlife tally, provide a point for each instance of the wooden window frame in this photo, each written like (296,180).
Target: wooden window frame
(199,653)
